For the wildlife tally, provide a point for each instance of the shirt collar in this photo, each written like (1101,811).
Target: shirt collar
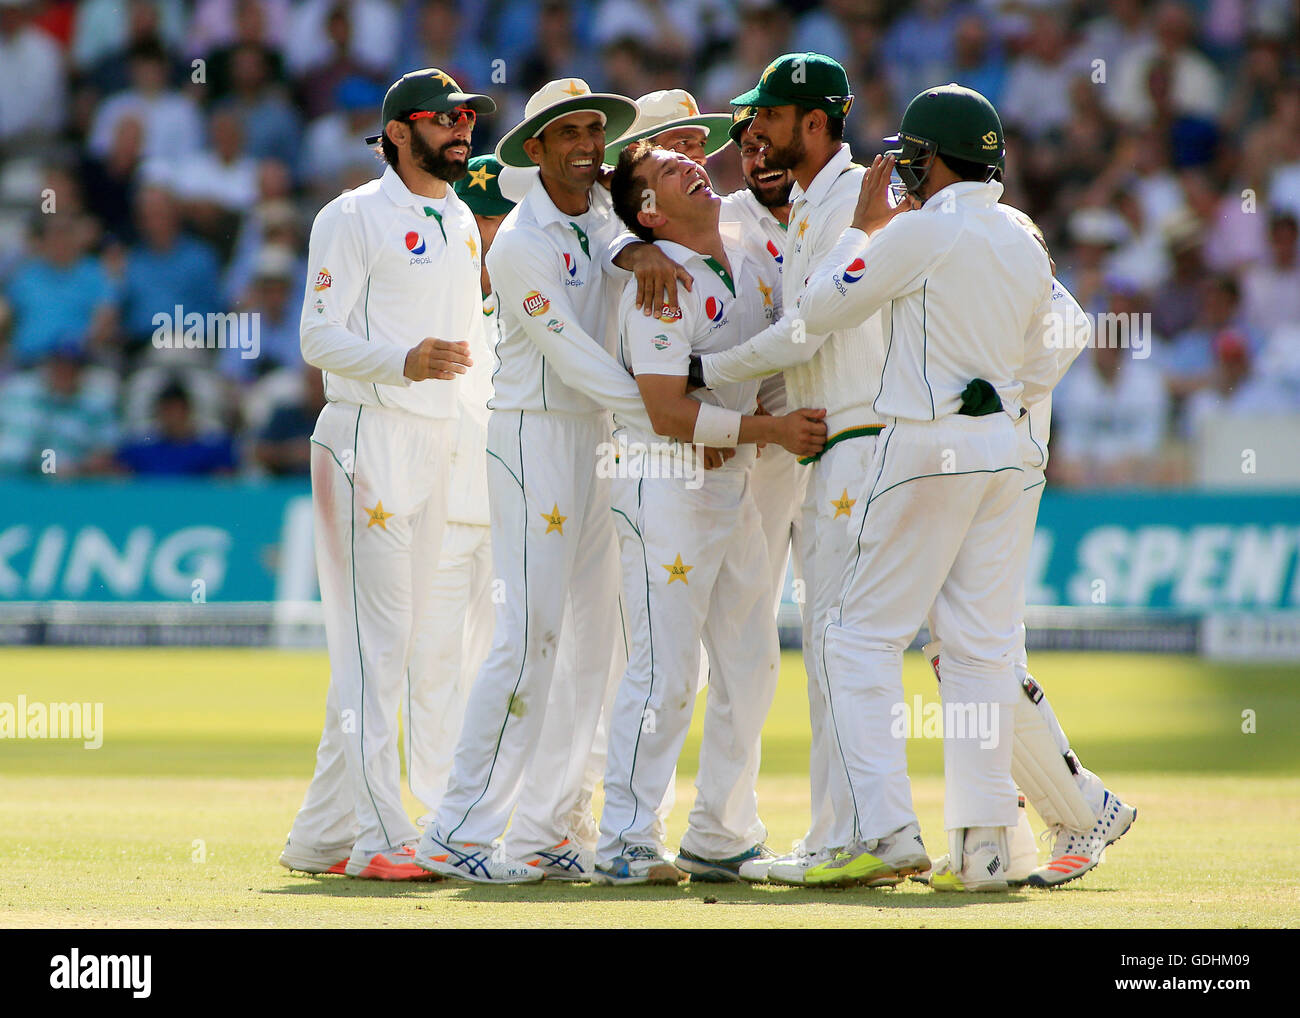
(543,209)
(399,194)
(976,192)
(821,184)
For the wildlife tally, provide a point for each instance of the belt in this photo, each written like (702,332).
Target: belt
(841,436)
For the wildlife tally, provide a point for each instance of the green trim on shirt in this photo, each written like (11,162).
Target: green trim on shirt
(723,274)
(434,212)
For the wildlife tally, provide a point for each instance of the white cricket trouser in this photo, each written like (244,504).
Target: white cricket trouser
(446,657)
(689,561)
(551,536)
(380,505)
(1092,787)
(778,483)
(939,528)
(832,518)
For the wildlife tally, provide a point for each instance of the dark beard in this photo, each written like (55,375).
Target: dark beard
(435,163)
(785,158)
(773,199)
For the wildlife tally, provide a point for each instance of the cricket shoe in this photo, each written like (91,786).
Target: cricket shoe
(640,864)
(1024,855)
(465,860)
(883,862)
(565,861)
(1074,854)
(394,864)
(311,860)
(751,866)
(985,856)
(793,869)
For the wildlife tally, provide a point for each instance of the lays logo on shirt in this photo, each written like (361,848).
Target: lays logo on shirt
(669,314)
(570,266)
(536,303)
(775,252)
(853,271)
(414,243)
(323,280)
(715,309)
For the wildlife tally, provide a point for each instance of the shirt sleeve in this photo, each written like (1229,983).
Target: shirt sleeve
(519,262)
(336,272)
(1058,332)
(859,277)
(615,247)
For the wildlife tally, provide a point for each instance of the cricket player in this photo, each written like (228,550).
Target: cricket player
(392,303)
(552,535)
(970,300)
(1082,813)
(799,106)
(691,543)
(460,631)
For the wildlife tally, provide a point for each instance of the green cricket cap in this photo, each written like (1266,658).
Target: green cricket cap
(427,89)
(480,189)
(957,121)
(812,80)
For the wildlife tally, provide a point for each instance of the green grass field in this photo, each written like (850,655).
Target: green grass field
(177,820)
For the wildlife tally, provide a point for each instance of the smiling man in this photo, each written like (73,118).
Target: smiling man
(552,536)
(392,302)
(692,545)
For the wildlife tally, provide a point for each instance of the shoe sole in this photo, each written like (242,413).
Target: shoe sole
(890,876)
(315,869)
(402,872)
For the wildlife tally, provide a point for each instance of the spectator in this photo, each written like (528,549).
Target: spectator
(111,181)
(271,125)
(334,143)
(111,73)
(332,41)
(1109,419)
(284,446)
(764,33)
(555,52)
(1111,37)
(176,447)
(221,24)
(1271,291)
(439,41)
(1234,390)
(250,42)
(1194,85)
(171,121)
(168,267)
(32,86)
(61,407)
(1189,363)
(61,289)
(270,224)
(276,299)
(1179,300)
(975,60)
(920,42)
(101,31)
(1037,93)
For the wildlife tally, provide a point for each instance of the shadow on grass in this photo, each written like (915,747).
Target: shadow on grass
(550,892)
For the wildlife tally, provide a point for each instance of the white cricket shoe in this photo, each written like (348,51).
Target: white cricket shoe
(879,862)
(1024,854)
(985,856)
(566,861)
(640,864)
(305,859)
(793,868)
(1074,854)
(464,860)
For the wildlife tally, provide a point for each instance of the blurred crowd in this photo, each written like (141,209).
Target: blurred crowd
(158,155)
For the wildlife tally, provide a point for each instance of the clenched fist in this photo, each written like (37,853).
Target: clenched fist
(803,432)
(436,358)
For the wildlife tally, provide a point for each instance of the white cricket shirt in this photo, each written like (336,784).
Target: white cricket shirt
(467,498)
(557,310)
(386,269)
(718,312)
(966,293)
(832,368)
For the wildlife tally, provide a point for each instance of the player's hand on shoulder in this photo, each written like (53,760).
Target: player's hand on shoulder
(873,211)
(657,277)
(803,431)
(437,358)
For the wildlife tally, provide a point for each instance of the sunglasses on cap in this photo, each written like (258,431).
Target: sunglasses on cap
(453,118)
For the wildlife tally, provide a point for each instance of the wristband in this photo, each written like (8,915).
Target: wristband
(717,427)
